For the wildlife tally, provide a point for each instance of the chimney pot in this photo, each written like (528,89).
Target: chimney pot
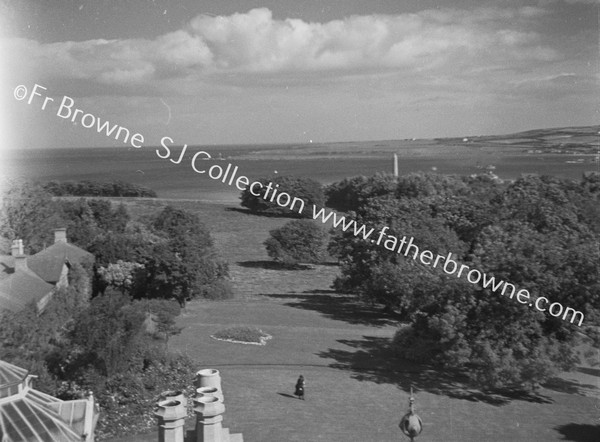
(209,417)
(60,235)
(16,248)
(171,416)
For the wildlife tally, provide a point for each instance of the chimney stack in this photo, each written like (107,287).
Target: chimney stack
(171,416)
(209,417)
(209,391)
(16,251)
(21,263)
(60,235)
(16,248)
(209,377)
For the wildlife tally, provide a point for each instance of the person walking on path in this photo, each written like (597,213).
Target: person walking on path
(300,387)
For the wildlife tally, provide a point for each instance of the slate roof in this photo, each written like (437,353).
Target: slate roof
(7,266)
(48,263)
(22,288)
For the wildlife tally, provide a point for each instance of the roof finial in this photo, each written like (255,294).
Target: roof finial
(411,424)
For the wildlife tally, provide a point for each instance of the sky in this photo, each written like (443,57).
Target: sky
(287,71)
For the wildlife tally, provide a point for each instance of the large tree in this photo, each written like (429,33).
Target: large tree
(535,233)
(27,212)
(184,265)
(305,189)
(106,335)
(297,241)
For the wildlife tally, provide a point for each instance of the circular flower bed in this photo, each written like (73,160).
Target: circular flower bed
(242,335)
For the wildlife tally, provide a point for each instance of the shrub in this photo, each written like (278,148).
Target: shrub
(533,232)
(297,241)
(95,188)
(108,334)
(247,335)
(127,399)
(309,191)
(219,290)
(353,193)
(27,212)
(183,264)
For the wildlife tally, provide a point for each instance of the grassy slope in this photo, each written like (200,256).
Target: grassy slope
(356,391)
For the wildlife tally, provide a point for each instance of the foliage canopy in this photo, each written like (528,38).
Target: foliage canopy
(297,241)
(305,189)
(536,232)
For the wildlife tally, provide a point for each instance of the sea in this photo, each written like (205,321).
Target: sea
(179,181)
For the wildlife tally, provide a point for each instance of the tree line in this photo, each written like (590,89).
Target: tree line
(113,342)
(97,189)
(539,232)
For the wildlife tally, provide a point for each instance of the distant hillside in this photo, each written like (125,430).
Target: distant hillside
(568,140)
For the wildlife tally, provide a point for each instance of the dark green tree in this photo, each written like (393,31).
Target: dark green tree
(297,241)
(27,212)
(306,189)
(97,189)
(107,334)
(133,245)
(184,265)
(351,194)
(498,342)
(535,233)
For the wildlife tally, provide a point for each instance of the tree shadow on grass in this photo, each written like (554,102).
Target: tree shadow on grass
(291,216)
(580,432)
(568,386)
(590,371)
(373,360)
(273,265)
(340,307)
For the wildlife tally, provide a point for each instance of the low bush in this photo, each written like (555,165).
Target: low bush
(305,189)
(95,188)
(127,400)
(247,335)
(220,290)
(297,241)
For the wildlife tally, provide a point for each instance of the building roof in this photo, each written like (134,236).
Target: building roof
(10,374)
(21,289)
(48,263)
(73,413)
(7,266)
(27,414)
(28,418)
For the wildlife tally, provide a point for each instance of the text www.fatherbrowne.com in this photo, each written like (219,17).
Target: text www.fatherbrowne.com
(270,192)
(449,266)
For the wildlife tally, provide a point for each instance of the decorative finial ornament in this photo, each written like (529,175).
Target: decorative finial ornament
(411,424)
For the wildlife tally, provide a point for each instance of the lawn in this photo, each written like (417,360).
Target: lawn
(356,390)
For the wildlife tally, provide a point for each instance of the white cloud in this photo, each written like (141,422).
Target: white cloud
(256,43)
